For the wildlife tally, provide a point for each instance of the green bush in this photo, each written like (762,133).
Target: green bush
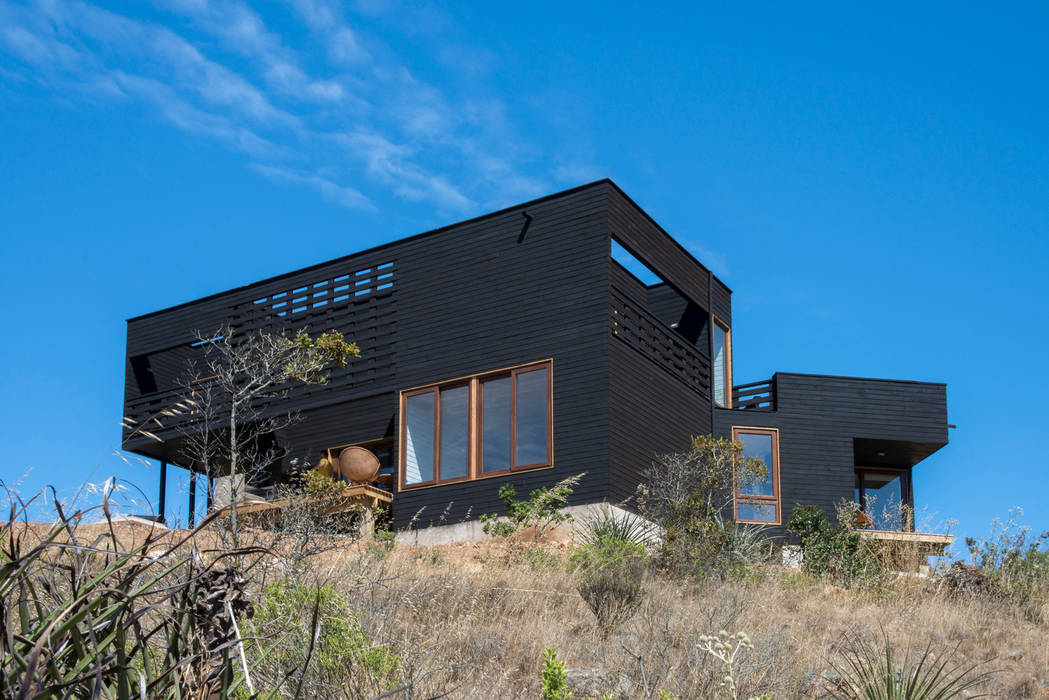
(383,542)
(553,679)
(835,552)
(301,617)
(542,510)
(689,496)
(101,621)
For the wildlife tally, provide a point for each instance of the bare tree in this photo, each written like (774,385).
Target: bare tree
(232,392)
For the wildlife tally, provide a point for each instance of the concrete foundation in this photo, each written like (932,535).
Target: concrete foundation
(471,530)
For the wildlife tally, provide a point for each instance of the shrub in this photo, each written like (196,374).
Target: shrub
(317,622)
(835,552)
(610,580)
(94,619)
(689,496)
(383,542)
(542,510)
(554,680)
(870,673)
(1014,558)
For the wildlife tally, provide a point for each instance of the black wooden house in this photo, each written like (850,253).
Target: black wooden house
(513,347)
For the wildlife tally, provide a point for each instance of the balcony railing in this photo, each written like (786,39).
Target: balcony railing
(756,396)
(652,338)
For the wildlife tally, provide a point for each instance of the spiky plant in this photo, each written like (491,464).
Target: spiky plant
(95,618)
(870,673)
(609,523)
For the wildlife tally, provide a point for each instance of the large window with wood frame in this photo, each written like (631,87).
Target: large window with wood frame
(884,497)
(722,361)
(757,494)
(478,426)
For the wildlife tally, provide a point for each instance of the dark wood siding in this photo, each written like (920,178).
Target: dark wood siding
(476,296)
(650,244)
(651,413)
(821,417)
(721,303)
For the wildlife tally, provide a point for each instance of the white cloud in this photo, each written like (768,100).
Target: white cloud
(241,29)
(196,121)
(332,192)
(326,20)
(339,119)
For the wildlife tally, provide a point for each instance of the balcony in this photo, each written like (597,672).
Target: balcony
(756,396)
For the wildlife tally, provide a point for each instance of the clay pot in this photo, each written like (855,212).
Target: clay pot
(356,464)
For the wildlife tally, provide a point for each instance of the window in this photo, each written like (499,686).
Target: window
(884,497)
(479,426)
(722,365)
(757,498)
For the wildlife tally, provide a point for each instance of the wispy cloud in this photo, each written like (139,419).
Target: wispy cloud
(332,192)
(341,113)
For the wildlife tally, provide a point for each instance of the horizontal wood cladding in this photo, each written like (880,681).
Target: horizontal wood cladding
(721,302)
(477,296)
(870,408)
(650,413)
(821,418)
(649,243)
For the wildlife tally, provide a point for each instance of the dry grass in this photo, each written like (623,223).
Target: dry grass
(475,619)
(472,621)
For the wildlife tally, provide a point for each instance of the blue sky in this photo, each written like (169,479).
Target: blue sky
(871,183)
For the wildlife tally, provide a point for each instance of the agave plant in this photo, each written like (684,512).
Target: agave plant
(608,523)
(870,673)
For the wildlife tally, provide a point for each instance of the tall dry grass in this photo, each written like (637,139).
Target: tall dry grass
(473,622)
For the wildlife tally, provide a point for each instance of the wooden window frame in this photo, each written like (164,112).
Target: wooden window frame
(475,447)
(776,498)
(906,488)
(728,362)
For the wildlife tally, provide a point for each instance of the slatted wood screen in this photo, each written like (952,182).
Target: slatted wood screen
(649,336)
(359,304)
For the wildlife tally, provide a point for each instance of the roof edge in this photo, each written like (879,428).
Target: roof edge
(864,379)
(666,233)
(382,246)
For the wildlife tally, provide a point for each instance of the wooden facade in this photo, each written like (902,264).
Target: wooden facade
(631,363)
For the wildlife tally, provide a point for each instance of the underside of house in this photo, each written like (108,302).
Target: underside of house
(567,335)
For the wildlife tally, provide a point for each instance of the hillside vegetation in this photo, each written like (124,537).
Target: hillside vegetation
(542,608)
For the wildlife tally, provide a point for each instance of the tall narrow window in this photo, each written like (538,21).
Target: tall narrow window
(496,422)
(530,415)
(722,365)
(454,454)
(478,426)
(757,495)
(419,433)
